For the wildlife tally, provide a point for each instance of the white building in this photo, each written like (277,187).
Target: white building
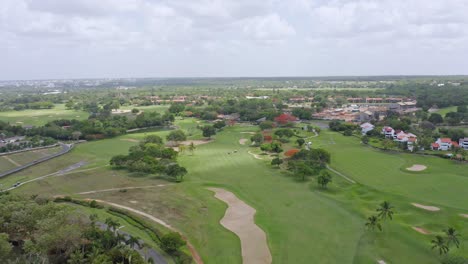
(463,142)
(366,127)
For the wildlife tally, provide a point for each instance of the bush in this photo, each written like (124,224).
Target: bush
(171,242)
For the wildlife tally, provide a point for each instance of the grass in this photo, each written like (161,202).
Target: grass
(303,223)
(445,110)
(42,116)
(13,160)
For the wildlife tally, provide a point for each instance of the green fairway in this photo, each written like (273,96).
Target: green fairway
(41,116)
(303,223)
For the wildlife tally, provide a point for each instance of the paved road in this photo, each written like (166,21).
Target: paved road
(65,149)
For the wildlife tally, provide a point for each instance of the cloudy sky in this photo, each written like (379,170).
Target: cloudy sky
(42,39)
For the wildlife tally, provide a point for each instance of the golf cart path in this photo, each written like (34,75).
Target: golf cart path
(123,188)
(239,218)
(196,257)
(340,174)
(11,161)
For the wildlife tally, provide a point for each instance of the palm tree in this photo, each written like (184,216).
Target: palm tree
(373,222)
(385,210)
(192,147)
(132,241)
(112,224)
(452,237)
(439,243)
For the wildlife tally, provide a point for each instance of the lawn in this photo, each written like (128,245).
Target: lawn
(445,110)
(13,160)
(303,223)
(42,116)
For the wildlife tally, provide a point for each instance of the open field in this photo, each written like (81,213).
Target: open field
(15,160)
(42,116)
(323,89)
(147,108)
(301,221)
(445,110)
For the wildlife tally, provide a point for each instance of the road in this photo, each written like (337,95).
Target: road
(65,149)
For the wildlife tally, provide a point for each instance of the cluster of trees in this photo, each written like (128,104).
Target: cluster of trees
(307,163)
(384,212)
(33,142)
(443,244)
(340,126)
(34,230)
(98,127)
(152,157)
(27,102)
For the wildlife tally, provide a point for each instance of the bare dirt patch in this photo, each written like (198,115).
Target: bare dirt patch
(242,141)
(130,140)
(426,207)
(239,218)
(417,167)
(421,230)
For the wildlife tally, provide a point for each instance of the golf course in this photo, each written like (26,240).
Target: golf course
(302,222)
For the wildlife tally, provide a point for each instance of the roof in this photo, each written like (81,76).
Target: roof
(412,139)
(446,140)
(455,144)
(435,145)
(367,125)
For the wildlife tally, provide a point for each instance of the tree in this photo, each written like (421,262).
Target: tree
(155,139)
(387,144)
(385,211)
(192,147)
(219,124)
(176,135)
(176,108)
(373,222)
(171,242)
(5,246)
(452,237)
(257,139)
(112,225)
(462,109)
(176,171)
(135,111)
(182,149)
(324,179)
(266,125)
(435,118)
(133,241)
(284,132)
(348,132)
(208,131)
(300,142)
(365,139)
(76,135)
(439,243)
(276,161)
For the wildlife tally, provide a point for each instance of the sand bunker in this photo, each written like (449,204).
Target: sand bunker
(239,218)
(381,262)
(242,141)
(251,133)
(417,167)
(426,207)
(255,155)
(464,215)
(421,230)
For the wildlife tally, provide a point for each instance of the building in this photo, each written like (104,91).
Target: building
(366,127)
(463,143)
(442,144)
(388,132)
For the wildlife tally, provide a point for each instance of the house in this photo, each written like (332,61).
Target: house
(366,127)
(388,132)
(442,144)
(463,143)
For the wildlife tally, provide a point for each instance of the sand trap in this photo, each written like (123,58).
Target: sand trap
(421,230)
(464,215)
(255,155)
(242,141)
(417,167)
(239,218)
(133,202)
(130,140)
(426,207)
(251,133)
(381,262)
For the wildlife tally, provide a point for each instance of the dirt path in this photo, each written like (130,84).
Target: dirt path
(426,207)
(130,140)
(195,255)
(421,230)
(123,188)
(242,141)
(239,218)
(11,161)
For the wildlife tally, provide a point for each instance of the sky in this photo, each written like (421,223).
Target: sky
(44,39)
